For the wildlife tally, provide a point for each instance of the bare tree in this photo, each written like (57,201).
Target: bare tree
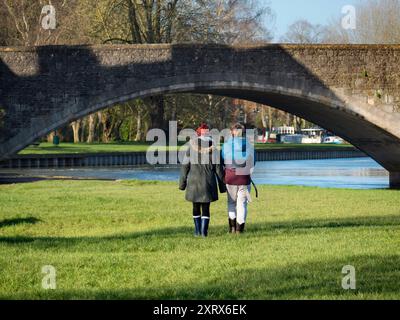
(302,31)
(377,21)
(24,21)
(76,126)
(225,21)
(91,128)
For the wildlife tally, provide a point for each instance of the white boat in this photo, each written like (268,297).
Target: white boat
(332,140)
(300,139)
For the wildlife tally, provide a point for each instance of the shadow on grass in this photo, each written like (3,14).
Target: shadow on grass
(17,221)
(253,230)
(74,150)
(377,277)
(18,180)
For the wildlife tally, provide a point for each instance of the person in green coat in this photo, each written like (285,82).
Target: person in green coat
(201,178)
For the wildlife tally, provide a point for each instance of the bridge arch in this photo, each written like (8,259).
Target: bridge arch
(321,110)
(313,82)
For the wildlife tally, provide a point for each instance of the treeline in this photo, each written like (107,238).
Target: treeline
(130,121)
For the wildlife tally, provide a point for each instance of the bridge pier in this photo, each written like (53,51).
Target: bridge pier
(394,180)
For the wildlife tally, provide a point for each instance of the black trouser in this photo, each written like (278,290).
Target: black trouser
(201,209)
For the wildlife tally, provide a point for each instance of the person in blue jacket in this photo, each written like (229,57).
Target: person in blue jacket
(239,159)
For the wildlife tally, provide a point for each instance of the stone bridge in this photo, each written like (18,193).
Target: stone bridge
(351,90)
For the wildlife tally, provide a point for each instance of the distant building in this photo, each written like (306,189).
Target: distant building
(285,130)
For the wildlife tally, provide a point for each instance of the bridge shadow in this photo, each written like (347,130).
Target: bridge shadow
(18,221)
(377,275)
(377,278)
(310,280)
(216,231)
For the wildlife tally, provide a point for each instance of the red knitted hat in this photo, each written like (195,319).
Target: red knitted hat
(202,127)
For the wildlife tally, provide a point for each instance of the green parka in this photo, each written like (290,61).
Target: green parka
(201,181)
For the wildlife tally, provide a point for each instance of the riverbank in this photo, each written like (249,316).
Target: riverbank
(110,159)
(16,178)
(128,147)
(132,240)
(354,173)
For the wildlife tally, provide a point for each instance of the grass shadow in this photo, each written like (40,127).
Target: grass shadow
(17,221)
(377,277)
(356,222)
(18,180)
(216,231)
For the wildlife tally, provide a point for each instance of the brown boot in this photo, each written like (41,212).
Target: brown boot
(240,228)
(232,226)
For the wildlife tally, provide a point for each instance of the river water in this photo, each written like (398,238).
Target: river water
(356,173)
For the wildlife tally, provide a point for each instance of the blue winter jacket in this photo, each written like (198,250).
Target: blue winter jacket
(236,151)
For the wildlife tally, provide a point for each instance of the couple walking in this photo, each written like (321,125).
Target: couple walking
(202,174)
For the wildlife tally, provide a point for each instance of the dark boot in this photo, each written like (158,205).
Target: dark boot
(204,227)
(240,228)
(197,226)
(232,226)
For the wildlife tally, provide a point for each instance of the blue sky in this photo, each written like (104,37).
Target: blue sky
(315,11)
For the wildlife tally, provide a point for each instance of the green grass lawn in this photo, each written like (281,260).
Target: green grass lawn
(117,240)
(68,148)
